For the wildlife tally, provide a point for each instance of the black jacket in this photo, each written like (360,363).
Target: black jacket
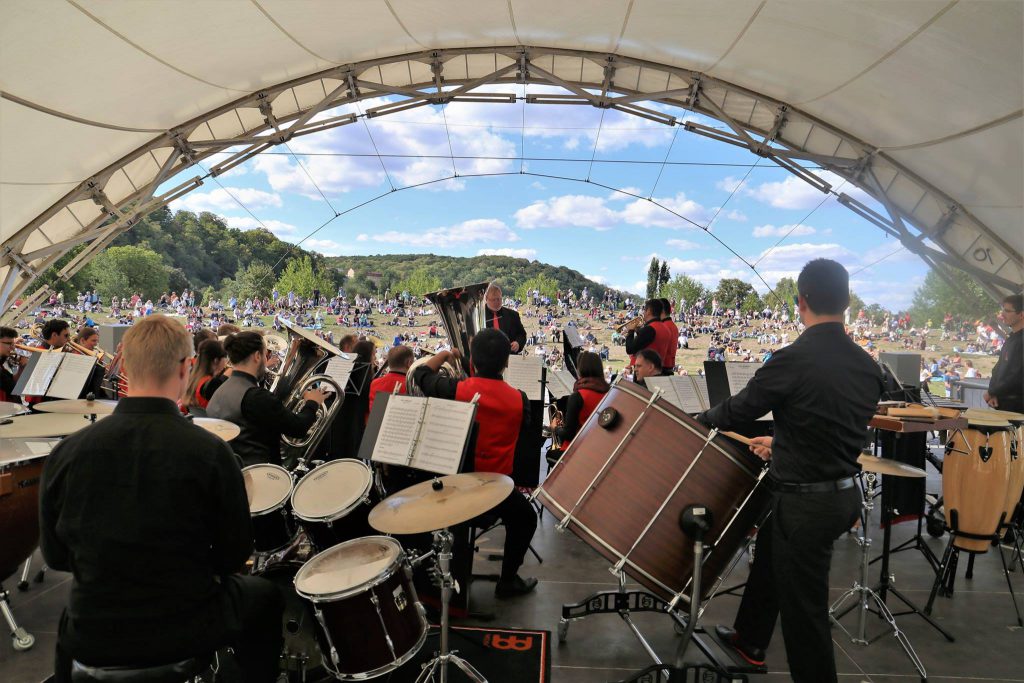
(510,324)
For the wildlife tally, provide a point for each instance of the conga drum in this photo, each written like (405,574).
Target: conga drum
(20,470)
(624,480)
(269,488)
(371,621)
(976,479)
(1015,484)
(332,502)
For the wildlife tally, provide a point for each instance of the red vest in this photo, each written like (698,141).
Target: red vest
(663,342)
(198,398)
(590,400)
(386,383)
(499,414)
(673,342)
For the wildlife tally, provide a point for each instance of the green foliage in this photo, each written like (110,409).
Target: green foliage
(121,271)
(302,278)
(786,291)
(685,289)
(856,304)
(752,303)
(257,280)
(653,278)
(419,282)
(547,286)
(732,291)
(875,313)
(508,273)
(663,278)
(936,297)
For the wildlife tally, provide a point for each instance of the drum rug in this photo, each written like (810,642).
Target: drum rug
(502,655)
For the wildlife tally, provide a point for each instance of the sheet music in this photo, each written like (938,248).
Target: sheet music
(700,384)
(398,429)
(689,399)
(739,374)
(573,335)
(46,367)
(524,373)
(340,369)
(668,392)
(560,383)
(72,375)
(442,437)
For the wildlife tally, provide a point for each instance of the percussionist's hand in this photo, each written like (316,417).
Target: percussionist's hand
(515,347)
(317,395)
(761,446)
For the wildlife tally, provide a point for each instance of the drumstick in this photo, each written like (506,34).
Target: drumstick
(738,437)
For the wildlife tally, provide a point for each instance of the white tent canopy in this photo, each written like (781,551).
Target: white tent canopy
(918,102)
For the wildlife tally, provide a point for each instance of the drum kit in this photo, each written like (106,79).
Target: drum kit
(352,607)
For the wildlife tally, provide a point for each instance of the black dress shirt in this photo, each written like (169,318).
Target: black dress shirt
(509,323)
(1007,383)
(822,391)
(146,510)
(638,340)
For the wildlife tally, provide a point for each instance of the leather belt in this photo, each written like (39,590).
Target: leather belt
(815,487)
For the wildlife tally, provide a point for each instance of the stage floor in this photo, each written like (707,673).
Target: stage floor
(601,648)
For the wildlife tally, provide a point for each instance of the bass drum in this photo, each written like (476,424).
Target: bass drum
(332,502)
(371,621)
(300,657)
(629,473)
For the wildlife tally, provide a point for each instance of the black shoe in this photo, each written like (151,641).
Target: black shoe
(515,587)
(750,654)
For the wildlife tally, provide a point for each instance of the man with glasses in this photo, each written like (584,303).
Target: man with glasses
(7,378)
(261,415)
(1006,388)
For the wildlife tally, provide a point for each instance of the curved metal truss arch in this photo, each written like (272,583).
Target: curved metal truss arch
(926,220)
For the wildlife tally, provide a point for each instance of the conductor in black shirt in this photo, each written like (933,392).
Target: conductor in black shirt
(505,319)
(822,391)
(1006,388)
(149,513)
(260,415)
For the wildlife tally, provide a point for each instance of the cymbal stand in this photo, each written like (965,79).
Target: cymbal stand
(443,542)
(865,594)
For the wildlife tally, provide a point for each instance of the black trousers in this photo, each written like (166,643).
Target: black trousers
(789,578)
(248,619)
(520,522)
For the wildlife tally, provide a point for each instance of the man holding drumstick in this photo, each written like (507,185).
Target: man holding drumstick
(822,391)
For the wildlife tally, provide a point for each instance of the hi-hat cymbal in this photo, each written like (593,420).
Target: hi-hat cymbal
(870,463)
(78,407)
(422,508)
(52,424)
(8,409)
(222,428)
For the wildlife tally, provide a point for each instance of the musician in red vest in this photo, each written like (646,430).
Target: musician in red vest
(399,360)
(501,415)
(505,319)
(590,388)
(668,362)
(653,335)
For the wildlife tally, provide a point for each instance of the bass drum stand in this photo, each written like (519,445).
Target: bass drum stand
(865,595)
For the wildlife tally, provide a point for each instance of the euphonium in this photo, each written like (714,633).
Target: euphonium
(463,312)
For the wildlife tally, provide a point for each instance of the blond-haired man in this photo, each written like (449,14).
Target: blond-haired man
(149,513)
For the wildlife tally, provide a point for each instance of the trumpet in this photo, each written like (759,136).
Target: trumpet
(630,325)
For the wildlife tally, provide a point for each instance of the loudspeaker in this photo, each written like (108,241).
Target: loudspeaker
(906,366)
(111,336)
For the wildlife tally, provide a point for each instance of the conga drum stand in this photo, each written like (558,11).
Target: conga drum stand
(443,542)
(865,595)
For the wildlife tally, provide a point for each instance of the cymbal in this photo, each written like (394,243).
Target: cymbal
(420,508)
(8,409)
(870,463)
(78,407)
(275,342)
(52,424)
(222,428)
(19,450)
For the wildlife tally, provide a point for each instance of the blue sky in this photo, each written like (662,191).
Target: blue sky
(607,235)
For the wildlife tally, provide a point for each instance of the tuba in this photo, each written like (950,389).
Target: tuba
(304,368)
(463,313)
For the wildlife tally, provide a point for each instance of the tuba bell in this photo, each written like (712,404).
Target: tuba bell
(304,368)
(463,312)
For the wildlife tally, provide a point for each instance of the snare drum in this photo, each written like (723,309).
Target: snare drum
(268,488)
(20,471)
(621,488)
(333,501)
(975,480)
(371,621)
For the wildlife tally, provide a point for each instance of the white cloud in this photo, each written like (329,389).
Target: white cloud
(467,232)
(599,279)
(736,215)
(645,259)
(326,247)
(220,200)
(794,193)
(506,251)
(728,184)
(586,211)
(770,230)
(682,244)
(279,228)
